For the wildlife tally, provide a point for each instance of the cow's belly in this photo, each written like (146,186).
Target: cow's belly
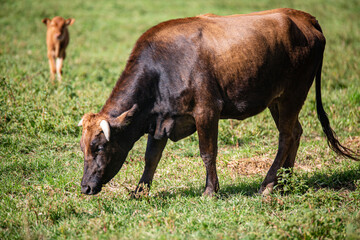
(242,110)
(242,107)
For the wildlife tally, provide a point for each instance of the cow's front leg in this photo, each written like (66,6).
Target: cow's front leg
(207,128)
(153,154)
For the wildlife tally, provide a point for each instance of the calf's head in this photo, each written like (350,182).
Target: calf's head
(57,26)
(105,143)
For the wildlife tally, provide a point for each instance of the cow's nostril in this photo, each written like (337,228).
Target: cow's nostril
(86,189)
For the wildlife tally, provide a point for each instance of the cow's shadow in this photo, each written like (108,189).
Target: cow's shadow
(246,189)
(346,180)
(337,180)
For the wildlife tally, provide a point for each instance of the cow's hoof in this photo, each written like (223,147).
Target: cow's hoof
(266,190)
(140,192)
(209,192)
(135,195)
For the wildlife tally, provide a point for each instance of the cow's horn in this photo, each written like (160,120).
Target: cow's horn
(80,123)
(106,129)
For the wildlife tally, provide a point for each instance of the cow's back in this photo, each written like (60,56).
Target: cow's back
(242,61)
(255,57)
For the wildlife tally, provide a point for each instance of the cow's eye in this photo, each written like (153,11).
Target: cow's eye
(100,148)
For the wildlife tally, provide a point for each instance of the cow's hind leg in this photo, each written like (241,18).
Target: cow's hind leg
(153,154)
(297,132)
(290,160)
(286,118)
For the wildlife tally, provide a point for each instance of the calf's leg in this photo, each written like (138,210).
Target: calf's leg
(52,65)
(59,64)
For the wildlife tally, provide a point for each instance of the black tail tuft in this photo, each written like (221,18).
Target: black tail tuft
(333,142)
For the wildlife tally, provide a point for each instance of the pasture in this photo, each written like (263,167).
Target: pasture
(41,163)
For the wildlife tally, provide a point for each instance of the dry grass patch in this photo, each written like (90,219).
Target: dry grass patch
(310,160)
(250,166)
(353,143)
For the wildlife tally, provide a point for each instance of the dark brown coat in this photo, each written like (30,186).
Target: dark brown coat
(184,75)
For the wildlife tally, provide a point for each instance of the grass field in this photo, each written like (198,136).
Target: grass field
(41,163)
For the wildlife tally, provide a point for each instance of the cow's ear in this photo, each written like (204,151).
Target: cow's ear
(70,21)
(125,118)
(46,21)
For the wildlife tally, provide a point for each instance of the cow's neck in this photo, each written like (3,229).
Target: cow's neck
(131,88)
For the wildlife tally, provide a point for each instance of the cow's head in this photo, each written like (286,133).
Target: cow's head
(105,143)
(57,26)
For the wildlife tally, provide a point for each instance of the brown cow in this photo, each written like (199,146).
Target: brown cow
(185,75)
(57,39)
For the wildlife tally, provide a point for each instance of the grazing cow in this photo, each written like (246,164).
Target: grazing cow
(185,75)
(57,39)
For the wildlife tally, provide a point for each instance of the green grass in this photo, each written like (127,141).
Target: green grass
(41,162)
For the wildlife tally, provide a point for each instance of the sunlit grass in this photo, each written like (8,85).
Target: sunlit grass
(41,162)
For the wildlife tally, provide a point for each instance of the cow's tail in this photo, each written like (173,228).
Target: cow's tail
(333,142)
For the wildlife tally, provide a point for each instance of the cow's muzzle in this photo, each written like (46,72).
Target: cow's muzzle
(59,36)
(90,188)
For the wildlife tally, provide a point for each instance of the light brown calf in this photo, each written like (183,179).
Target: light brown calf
(57,39)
